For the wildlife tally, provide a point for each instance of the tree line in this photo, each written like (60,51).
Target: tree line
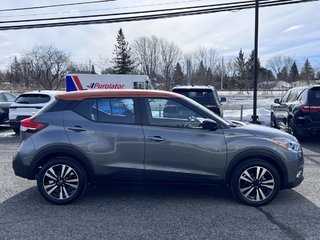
(44,67)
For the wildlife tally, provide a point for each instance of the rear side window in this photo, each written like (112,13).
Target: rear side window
(202,96)
(112,110)
(10,97)
(314,96)
(33,98)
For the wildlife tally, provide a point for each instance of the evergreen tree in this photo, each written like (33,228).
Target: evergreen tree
(283,75)
(250,69)
(240,68)
(122,63)
(294,73)
(15,71)
(199,77)
(178,77)
(93,70)
(307,72)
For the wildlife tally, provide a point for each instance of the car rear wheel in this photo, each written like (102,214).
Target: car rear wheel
(61,180)
(16,130)
(273,121)
(292,129)
(255,182)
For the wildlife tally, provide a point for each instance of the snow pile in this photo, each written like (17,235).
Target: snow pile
(263,114)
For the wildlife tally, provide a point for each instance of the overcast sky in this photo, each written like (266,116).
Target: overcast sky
(291,30)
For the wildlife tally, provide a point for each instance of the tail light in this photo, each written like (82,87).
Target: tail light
(310,108)
(31,125)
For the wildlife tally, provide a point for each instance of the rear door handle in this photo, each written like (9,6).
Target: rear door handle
(156,138)
(77,129)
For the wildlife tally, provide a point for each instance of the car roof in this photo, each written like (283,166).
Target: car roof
(48,92)
(196,87)
(80,95)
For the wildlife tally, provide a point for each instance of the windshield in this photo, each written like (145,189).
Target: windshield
(33,98)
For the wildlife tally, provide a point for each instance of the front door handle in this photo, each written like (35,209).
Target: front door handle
(77,129)
(156,138)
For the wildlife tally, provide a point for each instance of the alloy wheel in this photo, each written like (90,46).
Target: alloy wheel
(256,183)
(60,182)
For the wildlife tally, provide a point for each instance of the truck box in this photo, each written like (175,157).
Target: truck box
(75,82)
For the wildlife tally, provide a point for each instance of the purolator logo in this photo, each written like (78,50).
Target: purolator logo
(105,86)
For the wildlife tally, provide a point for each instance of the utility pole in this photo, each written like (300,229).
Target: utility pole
(255,118)
(188,72)
(222,73)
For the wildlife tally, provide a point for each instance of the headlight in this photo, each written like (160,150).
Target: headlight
(287,144)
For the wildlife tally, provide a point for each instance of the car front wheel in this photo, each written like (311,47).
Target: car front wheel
(61,180)
(255,182)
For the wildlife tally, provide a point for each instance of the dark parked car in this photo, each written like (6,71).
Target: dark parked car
(129,135)
(205,95)
(6,99)
(298,111)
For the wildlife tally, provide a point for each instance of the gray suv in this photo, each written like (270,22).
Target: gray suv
(132,135)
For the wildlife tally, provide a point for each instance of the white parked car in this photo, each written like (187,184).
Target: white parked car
(27,104)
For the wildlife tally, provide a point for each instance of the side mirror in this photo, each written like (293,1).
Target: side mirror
(277,100)
(210,125)
(223,99)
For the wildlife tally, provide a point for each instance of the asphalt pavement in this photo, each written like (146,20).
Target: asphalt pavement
(137,211)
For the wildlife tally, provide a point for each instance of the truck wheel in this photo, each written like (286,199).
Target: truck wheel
(255,182)
(61,180)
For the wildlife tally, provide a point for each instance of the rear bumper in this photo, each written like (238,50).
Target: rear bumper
(20,169)
(305,125)
(15,123)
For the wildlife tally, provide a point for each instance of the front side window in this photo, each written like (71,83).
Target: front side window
(113,110)
(285,97)
(171,113)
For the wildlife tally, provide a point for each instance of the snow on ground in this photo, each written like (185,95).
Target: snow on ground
(263,114)
(232,108)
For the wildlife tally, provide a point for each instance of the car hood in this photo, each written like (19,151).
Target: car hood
(264,132)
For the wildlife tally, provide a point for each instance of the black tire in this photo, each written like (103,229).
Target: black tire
(61,180)
(16,130)
(255,190)
(273,121)
(292,129)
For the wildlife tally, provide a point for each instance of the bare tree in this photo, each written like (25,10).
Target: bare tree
(170,54)
(278,63)
(146,53)
(103,63)
(210,59)
(156,58)
(47,66)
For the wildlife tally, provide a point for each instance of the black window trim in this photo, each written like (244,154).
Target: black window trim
(136,102)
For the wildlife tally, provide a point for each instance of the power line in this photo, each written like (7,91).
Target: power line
(53,5)
(156,15)
(136,12)
(103,9)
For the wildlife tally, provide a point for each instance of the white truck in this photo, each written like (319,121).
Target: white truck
(75,82)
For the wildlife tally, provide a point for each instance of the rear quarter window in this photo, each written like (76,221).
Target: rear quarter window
(33,98)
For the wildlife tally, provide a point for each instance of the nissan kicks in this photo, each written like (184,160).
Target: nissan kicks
(128,135)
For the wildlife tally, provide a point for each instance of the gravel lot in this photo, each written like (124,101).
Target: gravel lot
(156,211)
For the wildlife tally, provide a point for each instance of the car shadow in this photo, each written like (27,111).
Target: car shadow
(152,207)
